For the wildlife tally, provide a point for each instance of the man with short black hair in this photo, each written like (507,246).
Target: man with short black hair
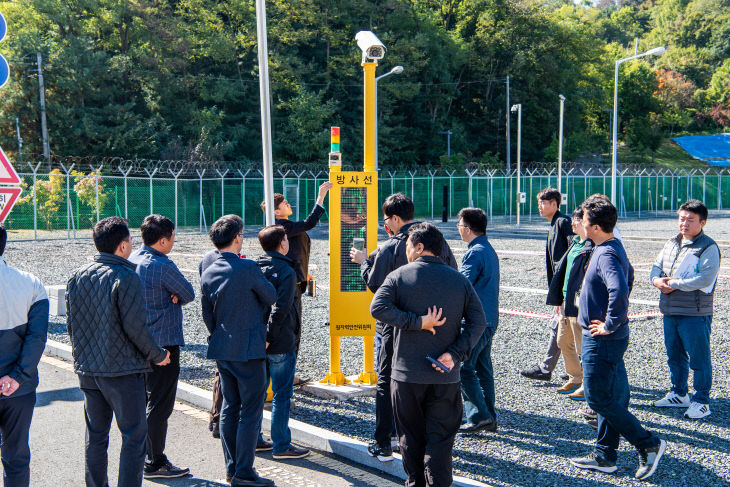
(299,242)
(435,313)
(398,212)
(481,266)
(282,321)
(165,292)
(603,316)
(558,241)
(23,330)
(686,273)
(235,296)
(112,350)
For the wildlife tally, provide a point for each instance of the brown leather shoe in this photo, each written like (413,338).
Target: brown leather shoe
(578,394)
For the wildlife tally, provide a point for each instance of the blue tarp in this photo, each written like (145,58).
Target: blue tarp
(712,149)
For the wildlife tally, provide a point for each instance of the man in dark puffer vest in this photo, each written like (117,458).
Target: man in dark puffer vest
(112,350)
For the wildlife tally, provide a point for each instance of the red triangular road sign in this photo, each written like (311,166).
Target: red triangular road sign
(8,196)
(7,173)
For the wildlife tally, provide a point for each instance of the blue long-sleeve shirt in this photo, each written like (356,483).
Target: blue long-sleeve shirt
(481,266)
(605,292)
(160,280)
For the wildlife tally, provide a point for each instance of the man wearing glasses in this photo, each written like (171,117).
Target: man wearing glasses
(398,211)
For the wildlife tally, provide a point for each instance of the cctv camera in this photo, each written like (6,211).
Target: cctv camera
(370,45)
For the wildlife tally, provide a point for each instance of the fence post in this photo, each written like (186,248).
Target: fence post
(69,209)
(432,173)
(471,182)
(176,176)
(603,173)
(35,199)
(125,174)
(243,192)
(392,175)
(97,175)
(719,190)
(149,175)
(200,215)
(223,190)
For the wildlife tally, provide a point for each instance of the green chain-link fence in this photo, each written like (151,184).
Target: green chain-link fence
(64,203)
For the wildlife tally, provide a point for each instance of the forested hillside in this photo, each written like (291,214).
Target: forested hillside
(167,79)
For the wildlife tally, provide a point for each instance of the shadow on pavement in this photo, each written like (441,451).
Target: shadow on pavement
(69,394)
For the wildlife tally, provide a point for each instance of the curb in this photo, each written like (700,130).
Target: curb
(302,433)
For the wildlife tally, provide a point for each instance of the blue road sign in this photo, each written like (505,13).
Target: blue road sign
(3,27)
(4,71)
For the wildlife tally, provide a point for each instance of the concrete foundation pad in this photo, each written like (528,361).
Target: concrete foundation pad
(338,393)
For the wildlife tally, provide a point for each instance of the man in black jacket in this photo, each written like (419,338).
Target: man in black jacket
(23,329)
(558,241)
(299,242)
(398,211)
(435,313)
(112,350)
(235,295)
(281,337)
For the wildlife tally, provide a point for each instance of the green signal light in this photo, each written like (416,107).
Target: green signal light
(335,147)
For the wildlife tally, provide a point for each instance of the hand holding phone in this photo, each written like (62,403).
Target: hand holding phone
(444,369)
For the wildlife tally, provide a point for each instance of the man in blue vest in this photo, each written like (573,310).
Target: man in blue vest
(685,272)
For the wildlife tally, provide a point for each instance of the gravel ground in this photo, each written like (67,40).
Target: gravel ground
(538,429)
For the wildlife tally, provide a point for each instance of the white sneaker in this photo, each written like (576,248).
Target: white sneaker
(672,400)
(697,410)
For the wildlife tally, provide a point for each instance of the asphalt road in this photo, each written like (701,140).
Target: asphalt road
(57,445)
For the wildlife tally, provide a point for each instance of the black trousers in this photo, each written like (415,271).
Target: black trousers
(383,404)
(161,385)
(16,413)
(427,417)
(124,398)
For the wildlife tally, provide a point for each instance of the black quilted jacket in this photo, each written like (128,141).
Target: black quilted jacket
(106,319)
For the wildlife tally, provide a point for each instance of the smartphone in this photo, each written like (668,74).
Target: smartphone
(438,364)
(358,243)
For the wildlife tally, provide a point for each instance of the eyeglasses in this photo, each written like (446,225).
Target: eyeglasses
(459,225)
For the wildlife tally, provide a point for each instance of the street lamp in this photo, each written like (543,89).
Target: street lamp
(518,108)
(657,51)
(395,70)
(560,147)
(265,100)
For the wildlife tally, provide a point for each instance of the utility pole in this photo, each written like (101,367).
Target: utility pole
(44,126)
(507,115)
(20,142)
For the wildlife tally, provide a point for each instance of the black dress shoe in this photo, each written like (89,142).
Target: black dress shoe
(216,432)
(536,373)
(264,446)
(486,425)
(257,482)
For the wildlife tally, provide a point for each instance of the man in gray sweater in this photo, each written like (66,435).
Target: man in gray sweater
(437,319)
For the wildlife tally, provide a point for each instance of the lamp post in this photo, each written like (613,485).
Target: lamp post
(560,147)
(518,108)
(657,51)
(395,70)
(263,56)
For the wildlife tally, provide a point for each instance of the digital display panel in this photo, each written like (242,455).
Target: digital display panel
(353,224)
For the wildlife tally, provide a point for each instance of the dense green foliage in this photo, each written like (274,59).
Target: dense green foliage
(177,79)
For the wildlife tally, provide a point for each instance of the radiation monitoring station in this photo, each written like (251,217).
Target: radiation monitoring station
(353,210)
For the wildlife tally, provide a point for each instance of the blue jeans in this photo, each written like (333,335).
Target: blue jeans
(243,385)
(281,370)
(477,380)
(687,339)
(607,393)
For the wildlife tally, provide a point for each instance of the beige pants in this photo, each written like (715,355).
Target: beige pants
(569,340)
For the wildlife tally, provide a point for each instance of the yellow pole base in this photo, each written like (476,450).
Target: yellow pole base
(269,393)
(367,379)
(334,379)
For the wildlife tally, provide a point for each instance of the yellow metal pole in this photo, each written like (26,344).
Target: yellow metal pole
(369,116)
(335,376)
